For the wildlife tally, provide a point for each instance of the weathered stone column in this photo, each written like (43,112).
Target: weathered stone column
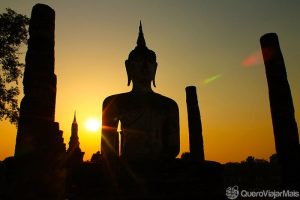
(39,151)
(195,126)
(282,110)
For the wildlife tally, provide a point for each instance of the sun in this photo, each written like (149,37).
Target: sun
(92,124)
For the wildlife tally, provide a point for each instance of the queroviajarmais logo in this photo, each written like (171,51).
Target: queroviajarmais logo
(232,192)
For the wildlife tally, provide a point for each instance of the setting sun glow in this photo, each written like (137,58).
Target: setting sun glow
(92,124)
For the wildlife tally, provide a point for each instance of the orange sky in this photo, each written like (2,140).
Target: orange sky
(210,44)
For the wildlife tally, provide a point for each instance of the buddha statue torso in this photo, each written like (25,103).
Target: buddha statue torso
(147,123)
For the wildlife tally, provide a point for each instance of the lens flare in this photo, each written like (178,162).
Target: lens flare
(253,59)
(268,53)
(211,79)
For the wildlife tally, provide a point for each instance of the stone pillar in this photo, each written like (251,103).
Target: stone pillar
(195,127)
(282,110)
(39,151)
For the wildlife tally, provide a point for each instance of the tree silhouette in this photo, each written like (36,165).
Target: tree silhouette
(252,172)
(13,32)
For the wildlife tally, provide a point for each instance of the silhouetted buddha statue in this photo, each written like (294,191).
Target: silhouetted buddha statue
(149,121)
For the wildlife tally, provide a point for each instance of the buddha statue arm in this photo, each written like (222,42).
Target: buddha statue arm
(109,138)
(172,142)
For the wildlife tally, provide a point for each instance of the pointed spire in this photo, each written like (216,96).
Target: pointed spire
(74,120)
(141,40)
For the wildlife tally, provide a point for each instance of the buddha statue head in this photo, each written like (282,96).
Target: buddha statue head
(141,64)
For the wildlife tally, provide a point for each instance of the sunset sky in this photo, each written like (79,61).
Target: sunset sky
(211,44)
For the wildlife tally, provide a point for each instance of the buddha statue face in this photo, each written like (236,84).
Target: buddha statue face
(141,69)
(141,64)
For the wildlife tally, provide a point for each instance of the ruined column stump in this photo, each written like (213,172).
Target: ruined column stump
(39,150)
(282,111)
(195,126)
